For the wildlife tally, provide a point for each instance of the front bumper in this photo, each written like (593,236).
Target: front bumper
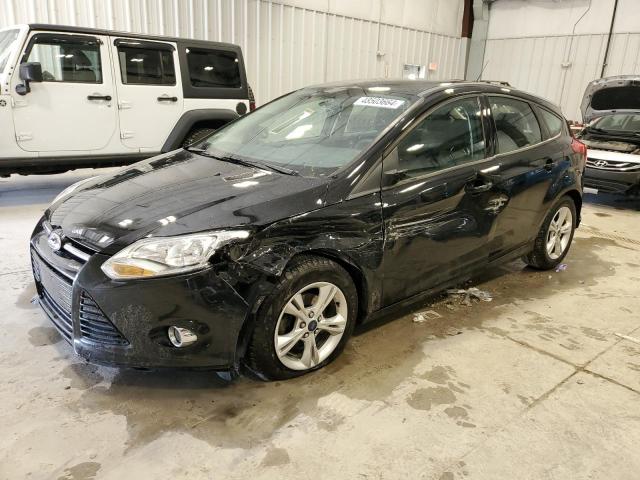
(611,181)
(125,323)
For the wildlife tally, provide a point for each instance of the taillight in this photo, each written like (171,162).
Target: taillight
(252,106)
(252,99)
(578,147)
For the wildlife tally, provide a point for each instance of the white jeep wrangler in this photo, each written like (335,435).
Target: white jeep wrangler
(76,97)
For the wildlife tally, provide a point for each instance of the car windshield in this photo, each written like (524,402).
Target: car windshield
(312,131)
(7,44)
(627,123)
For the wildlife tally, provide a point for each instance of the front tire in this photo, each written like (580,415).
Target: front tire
(555,236)
(305,323)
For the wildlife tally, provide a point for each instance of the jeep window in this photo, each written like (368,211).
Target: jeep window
(67,58)
(449,136)
(146,66)
(313,131)
(553,122)
(516,124)
(213,68)
(7,45)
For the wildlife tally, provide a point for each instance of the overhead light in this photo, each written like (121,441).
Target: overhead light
(208,68)
(415,147)
(379,89)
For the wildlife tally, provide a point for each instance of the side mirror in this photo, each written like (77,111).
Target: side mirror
(391,177)
(29,72)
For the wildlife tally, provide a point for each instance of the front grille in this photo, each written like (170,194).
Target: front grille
(95,326)
(613,165)
(55,295)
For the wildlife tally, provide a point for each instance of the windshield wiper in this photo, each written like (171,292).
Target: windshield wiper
(246,163)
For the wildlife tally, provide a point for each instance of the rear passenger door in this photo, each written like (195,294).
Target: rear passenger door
(521,172)
(149,95)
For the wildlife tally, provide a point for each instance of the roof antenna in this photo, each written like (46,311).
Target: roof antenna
(482,71)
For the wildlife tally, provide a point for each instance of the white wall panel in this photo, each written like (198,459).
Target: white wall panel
(286,44)
(531,46)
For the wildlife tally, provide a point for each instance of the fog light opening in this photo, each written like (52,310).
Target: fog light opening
(181,337)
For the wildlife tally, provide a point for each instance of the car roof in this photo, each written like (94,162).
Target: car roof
(424,88)
(97,31)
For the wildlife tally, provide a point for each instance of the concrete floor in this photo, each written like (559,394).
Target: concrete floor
(534,385)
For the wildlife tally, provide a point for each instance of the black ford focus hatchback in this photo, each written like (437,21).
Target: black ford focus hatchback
(264,245)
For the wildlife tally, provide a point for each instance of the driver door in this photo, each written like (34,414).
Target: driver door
(433,199)
(72,109)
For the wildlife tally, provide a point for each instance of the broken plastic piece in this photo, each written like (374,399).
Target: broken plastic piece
(470,293)
(421,317)
(561,268)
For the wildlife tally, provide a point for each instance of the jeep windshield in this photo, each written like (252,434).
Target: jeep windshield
(312,131)
(8,40)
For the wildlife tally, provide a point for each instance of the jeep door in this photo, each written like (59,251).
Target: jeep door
(150,99)
(73,108)
(433,202)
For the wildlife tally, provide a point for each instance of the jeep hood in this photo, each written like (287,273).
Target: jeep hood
(177,193)
(611,95)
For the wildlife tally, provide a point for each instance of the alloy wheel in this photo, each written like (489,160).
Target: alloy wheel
(311,325)
(559,232)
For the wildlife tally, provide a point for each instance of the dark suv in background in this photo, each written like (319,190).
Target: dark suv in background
(264,245)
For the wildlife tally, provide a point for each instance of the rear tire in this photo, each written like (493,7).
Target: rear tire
(309,316)
(555,236)
(196,135)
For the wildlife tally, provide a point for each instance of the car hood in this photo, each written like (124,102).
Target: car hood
(611,95)
(177,193)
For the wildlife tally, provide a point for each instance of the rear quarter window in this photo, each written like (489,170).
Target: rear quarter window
(213,68)
(553,122)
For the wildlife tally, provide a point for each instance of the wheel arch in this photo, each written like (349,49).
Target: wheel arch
(356,274)
(577,200)
(204,117)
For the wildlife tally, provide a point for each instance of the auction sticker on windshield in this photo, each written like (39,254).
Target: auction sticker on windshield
(379,102)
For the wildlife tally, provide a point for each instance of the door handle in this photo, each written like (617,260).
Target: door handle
(548,164)
(479,185)
(99,97)
(167,99)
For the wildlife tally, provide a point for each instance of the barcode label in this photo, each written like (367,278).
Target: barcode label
(379,102)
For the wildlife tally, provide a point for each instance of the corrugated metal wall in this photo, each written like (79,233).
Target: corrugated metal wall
(557,68)
(524,50)
(285,46)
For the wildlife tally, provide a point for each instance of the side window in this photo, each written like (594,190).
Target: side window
(66,58)
(450,135)
(146,66)
(516,124)
(213,68)
(553,122)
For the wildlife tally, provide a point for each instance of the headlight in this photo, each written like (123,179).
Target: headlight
(159,256)
(67,191)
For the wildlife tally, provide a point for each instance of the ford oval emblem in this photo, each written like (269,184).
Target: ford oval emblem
(55,241)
